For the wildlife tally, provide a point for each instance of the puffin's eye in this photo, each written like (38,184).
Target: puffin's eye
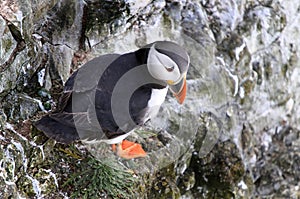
(169,69)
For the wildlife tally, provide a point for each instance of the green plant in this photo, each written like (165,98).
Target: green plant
(97,179)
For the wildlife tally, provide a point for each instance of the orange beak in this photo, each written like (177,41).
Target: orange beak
(179,90)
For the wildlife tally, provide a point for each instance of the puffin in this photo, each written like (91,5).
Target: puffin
(110,96)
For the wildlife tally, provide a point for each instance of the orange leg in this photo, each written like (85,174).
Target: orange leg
(129,150)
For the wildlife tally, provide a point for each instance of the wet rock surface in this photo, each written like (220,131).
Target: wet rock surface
(236,136)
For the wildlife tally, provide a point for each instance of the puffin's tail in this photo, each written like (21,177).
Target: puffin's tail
(57,131)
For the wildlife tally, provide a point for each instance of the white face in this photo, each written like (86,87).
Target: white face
(161,67)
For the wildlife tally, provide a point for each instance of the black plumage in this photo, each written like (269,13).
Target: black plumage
(86,108)
(89,94)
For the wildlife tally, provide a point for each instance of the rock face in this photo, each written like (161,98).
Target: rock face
(236,135)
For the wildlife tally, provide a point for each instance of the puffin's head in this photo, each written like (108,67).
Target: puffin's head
(169,62)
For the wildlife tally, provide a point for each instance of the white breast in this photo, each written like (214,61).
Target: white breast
(156,99)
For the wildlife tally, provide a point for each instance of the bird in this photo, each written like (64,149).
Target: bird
(111,95)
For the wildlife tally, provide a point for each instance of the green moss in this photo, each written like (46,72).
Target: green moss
(97,179)
(102,12)
(217,174)
(248,86)
(163,184)
(7,44)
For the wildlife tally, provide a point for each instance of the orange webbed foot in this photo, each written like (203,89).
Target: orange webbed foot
(129,150)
